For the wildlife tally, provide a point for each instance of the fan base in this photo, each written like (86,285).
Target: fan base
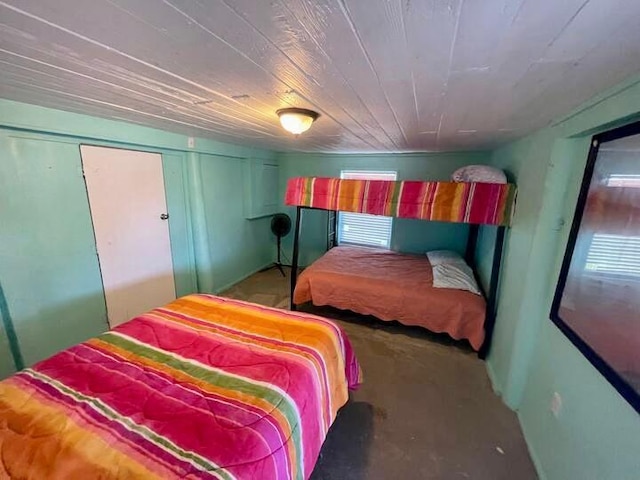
(275,265)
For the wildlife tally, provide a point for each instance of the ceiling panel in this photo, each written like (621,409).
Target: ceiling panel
(385,75)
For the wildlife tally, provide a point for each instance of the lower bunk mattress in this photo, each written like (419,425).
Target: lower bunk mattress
(391,286)
(203,387)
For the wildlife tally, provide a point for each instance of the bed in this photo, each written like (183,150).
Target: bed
(203,387)
(477,203)
(391,286)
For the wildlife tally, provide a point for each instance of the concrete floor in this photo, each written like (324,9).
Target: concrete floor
(426,409)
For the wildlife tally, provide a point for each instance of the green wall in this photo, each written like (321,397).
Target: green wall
(233,241)
(408,235)
(48,265)
(7,366)
(49,271)
(7,362)
(596,434)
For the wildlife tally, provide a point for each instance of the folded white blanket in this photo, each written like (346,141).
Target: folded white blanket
(451,271)
(479,173)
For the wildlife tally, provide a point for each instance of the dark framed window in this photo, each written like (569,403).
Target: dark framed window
(597,299)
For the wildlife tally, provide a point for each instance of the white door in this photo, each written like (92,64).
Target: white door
(129,211)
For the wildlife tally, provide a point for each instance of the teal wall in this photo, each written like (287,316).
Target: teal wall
(413,236)
(233,240)
(597,433)
(7,361)
(48,265)
(7,366)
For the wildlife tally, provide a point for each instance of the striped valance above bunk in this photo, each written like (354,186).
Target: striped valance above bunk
(479,203)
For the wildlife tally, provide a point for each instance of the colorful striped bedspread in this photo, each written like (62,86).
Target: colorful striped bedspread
(204,387)
(478,203)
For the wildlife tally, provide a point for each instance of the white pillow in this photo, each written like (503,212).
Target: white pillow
(455,275)
(479,173)
(451,271)
(438,257)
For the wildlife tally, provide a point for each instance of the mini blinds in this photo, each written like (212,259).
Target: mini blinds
(614,254)
(621,180)
(360,228)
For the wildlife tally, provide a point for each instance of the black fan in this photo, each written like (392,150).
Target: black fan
(280,226)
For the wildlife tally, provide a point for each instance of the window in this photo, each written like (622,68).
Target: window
(623,180)
(614,254)
(360,228)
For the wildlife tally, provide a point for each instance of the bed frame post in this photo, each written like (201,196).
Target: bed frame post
(296,250)
(492,298)
(472,241)
(332,229)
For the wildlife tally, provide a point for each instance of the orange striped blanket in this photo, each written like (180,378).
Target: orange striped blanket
(204,387)
(479,203)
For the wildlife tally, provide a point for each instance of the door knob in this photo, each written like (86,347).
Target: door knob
(164,216)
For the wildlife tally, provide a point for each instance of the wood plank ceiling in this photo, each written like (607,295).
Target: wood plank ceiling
(385,75)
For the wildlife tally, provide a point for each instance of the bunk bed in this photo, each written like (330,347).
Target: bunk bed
(377,279)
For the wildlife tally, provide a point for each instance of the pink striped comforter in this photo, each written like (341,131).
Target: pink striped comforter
(204,387)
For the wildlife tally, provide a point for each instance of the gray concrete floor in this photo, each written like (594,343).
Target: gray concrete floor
(426,409)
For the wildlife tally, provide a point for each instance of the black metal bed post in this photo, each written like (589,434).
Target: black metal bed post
(296,251)
(332,229)
(472,241)
(492,298)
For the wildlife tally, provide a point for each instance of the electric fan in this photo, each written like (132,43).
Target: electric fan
(280,227)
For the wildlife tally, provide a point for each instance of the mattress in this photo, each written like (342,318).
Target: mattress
(203,387)
(391,286)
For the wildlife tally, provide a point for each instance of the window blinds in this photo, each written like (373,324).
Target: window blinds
(364,229)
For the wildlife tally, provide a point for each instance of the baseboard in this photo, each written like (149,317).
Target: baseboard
(493,379)
(244,277)
(532,453)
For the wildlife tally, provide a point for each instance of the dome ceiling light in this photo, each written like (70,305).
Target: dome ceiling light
(296,120)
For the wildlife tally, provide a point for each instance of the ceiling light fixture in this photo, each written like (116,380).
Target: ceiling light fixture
(296,120)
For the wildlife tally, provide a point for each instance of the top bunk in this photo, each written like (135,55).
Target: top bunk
(459,202)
